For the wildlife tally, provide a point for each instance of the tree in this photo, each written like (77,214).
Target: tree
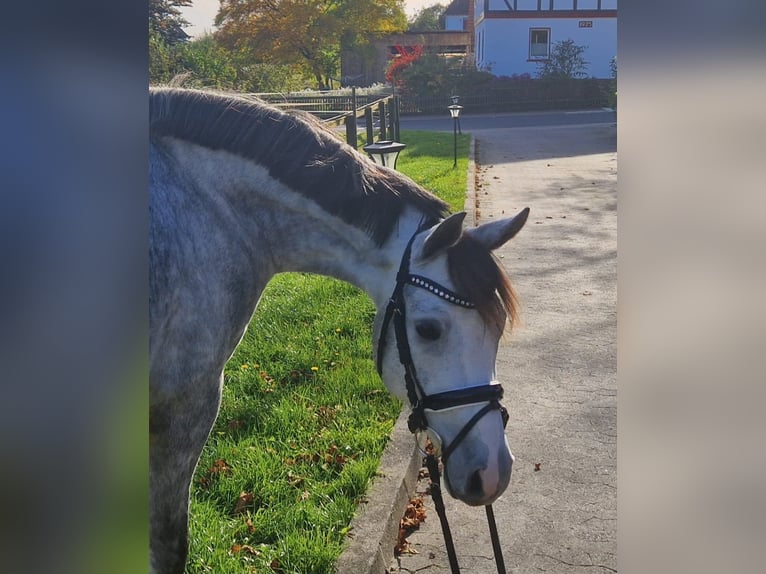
(566,62)
(306,32)
(166,21)
(433,76)
(428,19)
(211,65)
(162,59)
(404,58)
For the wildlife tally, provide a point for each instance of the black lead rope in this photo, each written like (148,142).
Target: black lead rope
(436,494)
(432,465)
(419,401)
(495,540)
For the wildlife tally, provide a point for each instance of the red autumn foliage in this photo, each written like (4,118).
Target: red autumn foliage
(405,57)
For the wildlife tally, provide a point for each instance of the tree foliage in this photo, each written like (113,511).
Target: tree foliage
(166,22)
(434,76)
(428,19)
(211,65)
(306,32)
(204,63)
(162,59)
(566,62)
(404,58)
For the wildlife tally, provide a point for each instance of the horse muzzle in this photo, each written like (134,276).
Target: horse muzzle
(476,456)
(477,480)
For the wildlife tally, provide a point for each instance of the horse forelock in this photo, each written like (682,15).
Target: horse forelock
(479,276)
(298,151)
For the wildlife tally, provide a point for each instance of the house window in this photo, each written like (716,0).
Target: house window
(539,43)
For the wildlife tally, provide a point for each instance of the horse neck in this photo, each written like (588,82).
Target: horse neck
(324,244)
(294,232)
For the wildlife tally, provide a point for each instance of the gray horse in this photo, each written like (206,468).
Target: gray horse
(239,192)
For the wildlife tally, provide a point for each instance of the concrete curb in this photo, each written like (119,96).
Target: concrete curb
(375,528)
(470,192)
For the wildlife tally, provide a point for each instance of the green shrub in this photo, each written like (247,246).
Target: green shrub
(566,62)
(432,75)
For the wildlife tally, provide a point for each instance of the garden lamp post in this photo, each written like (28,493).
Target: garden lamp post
(384,152)
(454,111)
(456,101)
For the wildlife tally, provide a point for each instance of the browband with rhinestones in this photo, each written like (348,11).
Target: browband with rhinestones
(439,291)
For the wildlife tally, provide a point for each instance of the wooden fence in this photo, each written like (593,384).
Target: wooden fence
(379,115)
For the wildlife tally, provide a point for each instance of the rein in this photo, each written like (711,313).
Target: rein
(420,401)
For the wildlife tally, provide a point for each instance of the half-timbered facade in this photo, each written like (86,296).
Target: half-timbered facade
(514,36)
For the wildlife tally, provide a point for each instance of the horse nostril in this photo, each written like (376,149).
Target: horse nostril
(475,484)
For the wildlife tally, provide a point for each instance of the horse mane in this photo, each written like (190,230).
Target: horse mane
(298,151)
(479,276)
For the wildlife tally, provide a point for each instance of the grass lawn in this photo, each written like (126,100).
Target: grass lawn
(304,417)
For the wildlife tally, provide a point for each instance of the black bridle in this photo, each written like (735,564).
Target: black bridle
(420,401)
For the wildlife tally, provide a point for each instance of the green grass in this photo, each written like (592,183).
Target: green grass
(429,158)
(304,417)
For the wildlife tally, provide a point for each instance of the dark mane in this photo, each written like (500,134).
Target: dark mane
(301,153)
(298,151)
(479,276)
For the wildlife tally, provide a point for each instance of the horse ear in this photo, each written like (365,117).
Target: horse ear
(496,233)
(444,235)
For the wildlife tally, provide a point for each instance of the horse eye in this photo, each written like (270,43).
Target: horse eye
(428,329)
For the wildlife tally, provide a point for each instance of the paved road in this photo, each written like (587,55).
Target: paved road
(559,367)
(475,122)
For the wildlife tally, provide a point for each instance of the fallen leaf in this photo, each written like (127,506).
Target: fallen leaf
(220,466)
(414,514)
(237,548)
(245,499)
(295,480)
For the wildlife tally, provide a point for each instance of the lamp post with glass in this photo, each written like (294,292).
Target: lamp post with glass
(456,101)
(385,152)
(454,111)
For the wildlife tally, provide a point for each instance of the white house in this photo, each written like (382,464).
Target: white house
(456,15)
(513,36)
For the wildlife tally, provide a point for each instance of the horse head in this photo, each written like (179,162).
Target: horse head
(447,312)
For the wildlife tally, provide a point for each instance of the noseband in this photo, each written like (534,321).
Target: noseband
(419,400)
